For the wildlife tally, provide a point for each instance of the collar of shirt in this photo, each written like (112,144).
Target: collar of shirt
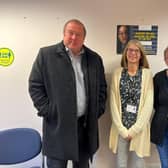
(72,56)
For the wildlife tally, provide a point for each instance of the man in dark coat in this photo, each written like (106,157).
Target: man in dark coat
(68,88)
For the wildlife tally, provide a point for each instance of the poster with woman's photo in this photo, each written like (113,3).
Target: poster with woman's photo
(147,35)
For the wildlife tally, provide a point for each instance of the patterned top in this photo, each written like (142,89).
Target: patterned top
(130,91)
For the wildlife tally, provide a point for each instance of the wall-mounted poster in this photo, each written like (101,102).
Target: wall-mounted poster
(147,35)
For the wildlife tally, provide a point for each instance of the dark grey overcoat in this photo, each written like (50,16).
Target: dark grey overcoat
(52,89)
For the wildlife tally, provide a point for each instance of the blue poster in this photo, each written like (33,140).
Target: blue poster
(147,35)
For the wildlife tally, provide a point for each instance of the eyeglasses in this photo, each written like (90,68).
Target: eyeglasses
(122,33)
(130,50)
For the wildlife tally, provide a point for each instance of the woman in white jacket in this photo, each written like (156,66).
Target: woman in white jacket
(131,103)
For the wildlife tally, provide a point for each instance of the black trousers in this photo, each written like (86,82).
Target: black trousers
(83,151)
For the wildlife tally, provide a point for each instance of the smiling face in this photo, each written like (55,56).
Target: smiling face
(133,54)
(74,35)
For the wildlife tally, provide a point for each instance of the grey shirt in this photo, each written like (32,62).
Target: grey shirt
(80,85)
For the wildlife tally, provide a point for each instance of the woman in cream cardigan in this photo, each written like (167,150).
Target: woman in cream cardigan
(131,104)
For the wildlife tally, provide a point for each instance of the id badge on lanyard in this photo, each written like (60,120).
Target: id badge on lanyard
(130,108)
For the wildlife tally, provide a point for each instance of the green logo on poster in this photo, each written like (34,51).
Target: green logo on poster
(6,56)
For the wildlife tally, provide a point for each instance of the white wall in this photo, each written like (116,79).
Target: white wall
(25,26)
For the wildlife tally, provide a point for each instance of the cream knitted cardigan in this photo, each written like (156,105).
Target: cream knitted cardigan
(140,131)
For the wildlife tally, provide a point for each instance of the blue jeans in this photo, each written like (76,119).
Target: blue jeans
(163,151)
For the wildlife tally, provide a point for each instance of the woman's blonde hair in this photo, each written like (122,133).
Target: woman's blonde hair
(143,62)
